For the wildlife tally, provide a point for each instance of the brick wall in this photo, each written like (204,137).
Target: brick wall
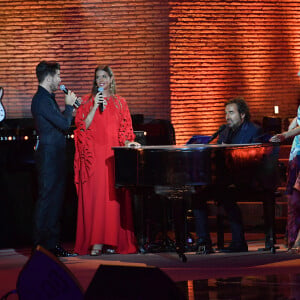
(178,60)
(131,36)
(221,49)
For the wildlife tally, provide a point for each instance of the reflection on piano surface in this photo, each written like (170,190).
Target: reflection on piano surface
(177,170)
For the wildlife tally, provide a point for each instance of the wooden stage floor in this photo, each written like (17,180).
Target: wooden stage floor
(262,274)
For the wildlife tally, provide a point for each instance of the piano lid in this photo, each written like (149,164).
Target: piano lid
(173,165)
(192,147)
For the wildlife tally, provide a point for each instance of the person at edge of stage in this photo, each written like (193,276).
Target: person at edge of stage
(104,221)
(293,182)
(50,124)
(239,130)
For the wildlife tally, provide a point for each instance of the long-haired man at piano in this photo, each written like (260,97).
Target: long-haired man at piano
(238,130)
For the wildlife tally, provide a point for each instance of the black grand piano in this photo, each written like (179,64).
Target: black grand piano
(177,170)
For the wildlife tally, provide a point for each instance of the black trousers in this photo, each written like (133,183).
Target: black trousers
(51,169)
(227,198)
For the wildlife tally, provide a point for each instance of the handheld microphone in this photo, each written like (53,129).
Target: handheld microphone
(101,107)
(65,90)
(222,127)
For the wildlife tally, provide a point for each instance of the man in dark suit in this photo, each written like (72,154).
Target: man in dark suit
(239,130)
(50,156)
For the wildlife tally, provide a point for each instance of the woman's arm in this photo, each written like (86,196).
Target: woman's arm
(98,99)
(293,124)
(285,135)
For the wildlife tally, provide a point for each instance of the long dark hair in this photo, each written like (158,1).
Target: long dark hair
(241,105)
(110,73)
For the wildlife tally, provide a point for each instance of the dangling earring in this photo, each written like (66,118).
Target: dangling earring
(112,88)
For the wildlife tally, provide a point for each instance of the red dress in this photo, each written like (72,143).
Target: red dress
(104,213)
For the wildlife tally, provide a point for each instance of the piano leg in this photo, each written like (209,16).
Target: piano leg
(176,196)
(147,221)
(138,217)
(269,220)
(138,220)
(220,227)
(167,243)
(179,217)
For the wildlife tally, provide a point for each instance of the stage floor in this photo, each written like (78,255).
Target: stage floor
(251,275)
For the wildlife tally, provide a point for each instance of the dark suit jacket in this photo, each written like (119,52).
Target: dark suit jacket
(246,134)
(50,122)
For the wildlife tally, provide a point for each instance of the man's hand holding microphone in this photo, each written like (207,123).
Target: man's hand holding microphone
(70,98)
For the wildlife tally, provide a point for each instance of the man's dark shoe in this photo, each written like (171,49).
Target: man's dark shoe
(59,251)
(269,245)
(236,247)
(204,247)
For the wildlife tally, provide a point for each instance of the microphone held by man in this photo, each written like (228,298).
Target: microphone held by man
(66,91)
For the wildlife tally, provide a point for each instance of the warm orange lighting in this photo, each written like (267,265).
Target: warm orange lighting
(251,153)
(25,137)
(208,67)
(191,294)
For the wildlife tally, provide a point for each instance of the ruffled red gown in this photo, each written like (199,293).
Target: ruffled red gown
(104,212)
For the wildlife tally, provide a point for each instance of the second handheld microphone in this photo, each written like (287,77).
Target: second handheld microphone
(101,106)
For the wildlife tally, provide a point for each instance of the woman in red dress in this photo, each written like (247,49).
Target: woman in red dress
(104,213)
